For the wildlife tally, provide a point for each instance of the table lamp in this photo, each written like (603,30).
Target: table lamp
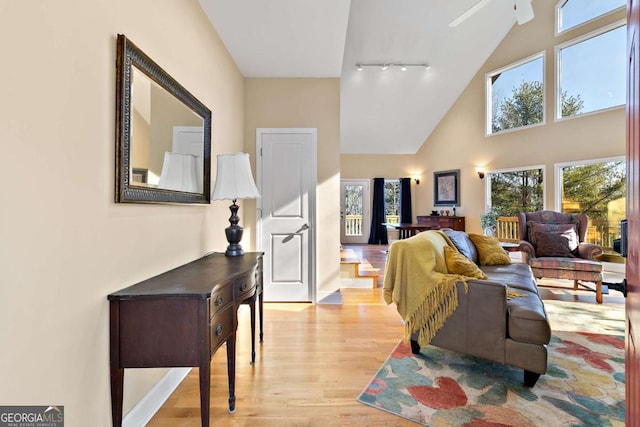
(234,181)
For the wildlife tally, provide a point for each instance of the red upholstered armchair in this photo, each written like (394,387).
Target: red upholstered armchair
(552,243)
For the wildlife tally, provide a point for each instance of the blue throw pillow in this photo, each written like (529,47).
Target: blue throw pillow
(464,244)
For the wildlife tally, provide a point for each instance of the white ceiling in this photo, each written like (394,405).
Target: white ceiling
(381,112)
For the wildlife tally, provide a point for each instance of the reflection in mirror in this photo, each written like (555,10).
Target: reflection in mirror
(163,132)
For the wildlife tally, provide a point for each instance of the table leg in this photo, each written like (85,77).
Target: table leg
(231,371)
(260,307)
(117,382)
(252,305)
(205,390)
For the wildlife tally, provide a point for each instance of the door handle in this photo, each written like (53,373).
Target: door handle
(290,236)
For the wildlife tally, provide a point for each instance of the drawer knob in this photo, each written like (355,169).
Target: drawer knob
(219,300)
(243,287)
(219,330)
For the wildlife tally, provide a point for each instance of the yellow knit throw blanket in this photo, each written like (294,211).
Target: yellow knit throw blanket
(416,281)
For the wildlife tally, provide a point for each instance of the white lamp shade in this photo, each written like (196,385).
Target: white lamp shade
(524,11)
(179,172)
(234,179)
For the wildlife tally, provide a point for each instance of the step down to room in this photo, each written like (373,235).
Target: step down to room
(354,267)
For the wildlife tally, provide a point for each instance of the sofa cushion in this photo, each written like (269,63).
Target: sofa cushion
(464,244)
(457,263)
(556,245)
(489,250)
(517,275)
(527,319)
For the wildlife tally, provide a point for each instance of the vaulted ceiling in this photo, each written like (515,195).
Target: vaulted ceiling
(381,112)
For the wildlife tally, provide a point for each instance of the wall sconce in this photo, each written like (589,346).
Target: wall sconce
(417,180)
(480,172)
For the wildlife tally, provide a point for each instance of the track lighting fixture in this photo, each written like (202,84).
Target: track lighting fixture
(386,66)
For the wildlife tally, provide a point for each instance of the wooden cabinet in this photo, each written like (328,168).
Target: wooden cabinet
(437,222)
(180,318)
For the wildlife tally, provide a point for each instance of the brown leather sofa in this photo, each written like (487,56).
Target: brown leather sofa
(487,324)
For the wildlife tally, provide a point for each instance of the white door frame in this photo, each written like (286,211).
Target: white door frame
(366,211)
(312,198)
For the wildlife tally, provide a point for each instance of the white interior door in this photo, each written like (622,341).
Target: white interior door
(355,208)
(190,140)
(286,175)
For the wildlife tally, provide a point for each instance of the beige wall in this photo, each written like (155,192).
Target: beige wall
(458,142)
(358,166)
(305,103)
(65,244)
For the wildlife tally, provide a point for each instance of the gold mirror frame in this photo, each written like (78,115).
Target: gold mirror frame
(129,56)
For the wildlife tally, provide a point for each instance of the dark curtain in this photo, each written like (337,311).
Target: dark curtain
(405,201)
(378,233)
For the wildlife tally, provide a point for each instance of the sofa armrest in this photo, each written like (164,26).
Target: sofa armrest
(478,326)
(528,251)
(589,251)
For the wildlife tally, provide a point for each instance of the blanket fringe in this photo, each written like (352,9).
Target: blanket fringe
(431,314)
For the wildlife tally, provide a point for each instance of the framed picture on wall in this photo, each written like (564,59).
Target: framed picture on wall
(446,188)
(139,175)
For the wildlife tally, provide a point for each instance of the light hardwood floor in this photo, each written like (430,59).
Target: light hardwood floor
(315,361)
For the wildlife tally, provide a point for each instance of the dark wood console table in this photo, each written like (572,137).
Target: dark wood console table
(406,230)
(435,222)
(180,318)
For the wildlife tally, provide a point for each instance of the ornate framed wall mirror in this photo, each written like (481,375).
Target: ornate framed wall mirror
(163,134)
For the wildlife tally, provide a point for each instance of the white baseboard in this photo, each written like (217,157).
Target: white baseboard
(144,410)
(329,297)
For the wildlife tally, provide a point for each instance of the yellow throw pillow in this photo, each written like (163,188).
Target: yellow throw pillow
(460,264)
(489,250)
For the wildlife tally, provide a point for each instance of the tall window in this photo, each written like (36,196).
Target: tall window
(392,200)
(515,95)
(516,190)
(571,13)
(591,72)
(596,188)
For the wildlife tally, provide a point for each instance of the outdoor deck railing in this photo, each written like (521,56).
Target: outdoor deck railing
(600,232)
(353,224)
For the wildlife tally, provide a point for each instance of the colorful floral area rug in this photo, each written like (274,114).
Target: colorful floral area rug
(584,384)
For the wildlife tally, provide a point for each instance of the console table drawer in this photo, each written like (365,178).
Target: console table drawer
(220,297)
(222,326)
(245,286)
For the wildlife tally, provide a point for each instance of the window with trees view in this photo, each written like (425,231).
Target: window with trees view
(598,189)
(516,190)
(591,72)
(572,13)
(515,95)
(392,200)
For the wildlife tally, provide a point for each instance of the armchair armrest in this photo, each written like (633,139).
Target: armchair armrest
(589,251)
(528,251)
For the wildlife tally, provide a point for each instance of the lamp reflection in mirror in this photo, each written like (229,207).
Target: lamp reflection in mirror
(234,181)
(179,172)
